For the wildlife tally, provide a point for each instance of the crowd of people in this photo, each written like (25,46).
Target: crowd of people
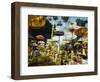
(50,53)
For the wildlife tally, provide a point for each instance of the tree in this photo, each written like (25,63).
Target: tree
(81,22)
(65,19)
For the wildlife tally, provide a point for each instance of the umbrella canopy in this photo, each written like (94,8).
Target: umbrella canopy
(59,33)
(36,21)
(72,30)
(40,37)
(83,31)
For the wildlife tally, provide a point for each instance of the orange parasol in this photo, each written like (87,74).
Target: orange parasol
(40,37)
(83,31)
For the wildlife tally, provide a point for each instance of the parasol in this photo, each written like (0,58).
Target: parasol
(40,37)
(36,22)
(59,33)
(83,31)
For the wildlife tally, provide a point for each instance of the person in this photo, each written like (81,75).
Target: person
(79,59)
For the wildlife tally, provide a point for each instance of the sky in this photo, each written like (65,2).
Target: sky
(66,26)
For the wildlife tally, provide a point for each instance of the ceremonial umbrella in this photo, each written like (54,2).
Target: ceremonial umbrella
(40,37)
(82,31)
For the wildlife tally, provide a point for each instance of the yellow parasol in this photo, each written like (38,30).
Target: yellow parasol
(36,21)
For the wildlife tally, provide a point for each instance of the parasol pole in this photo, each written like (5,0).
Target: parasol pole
(52,37)
(59,45)
(52,30)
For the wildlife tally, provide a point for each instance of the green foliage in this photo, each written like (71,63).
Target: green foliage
(55,18)
(59,23)
(81,22)
(65,19)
